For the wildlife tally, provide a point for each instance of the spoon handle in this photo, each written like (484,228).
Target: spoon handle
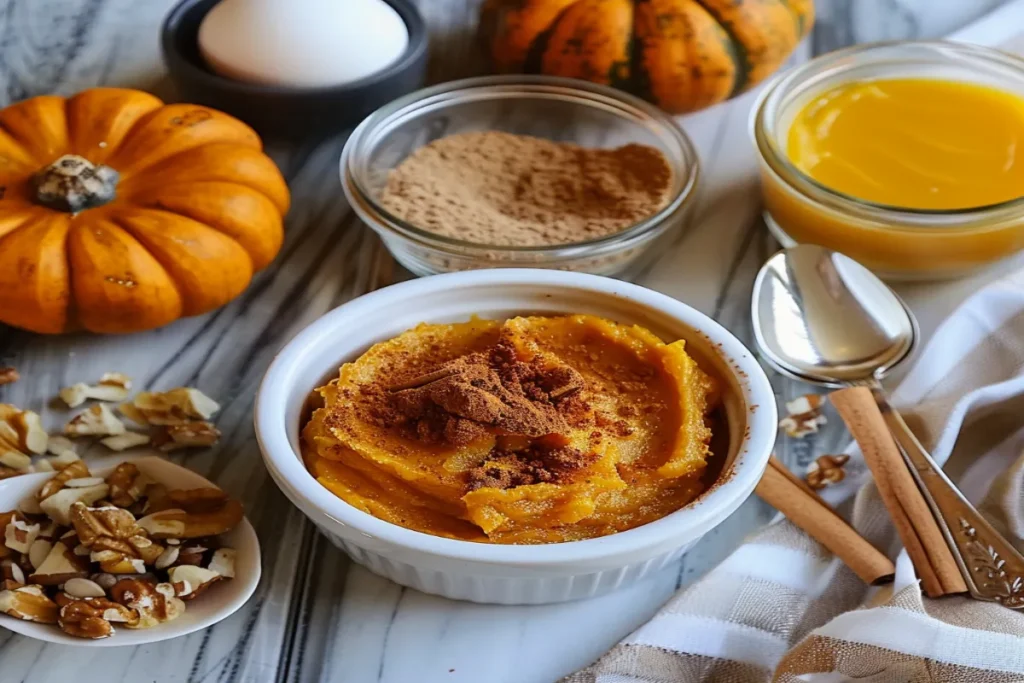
(992,568)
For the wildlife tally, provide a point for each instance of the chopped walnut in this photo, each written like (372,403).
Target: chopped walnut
(88,568)
(170,407)
(804,416)
(95,524)
(8,375)
(155,603)
(186,435)
(95,421)
(127,485)
(826,470)
(74,470)
(92,617)
(113,386)
(198,513)
(114,539)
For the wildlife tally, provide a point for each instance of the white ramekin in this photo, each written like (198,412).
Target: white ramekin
(510,574)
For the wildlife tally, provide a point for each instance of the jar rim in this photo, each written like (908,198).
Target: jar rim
(771,101)
(586,93)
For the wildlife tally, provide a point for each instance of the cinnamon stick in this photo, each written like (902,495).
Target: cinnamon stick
(784,471)
(786,493)
(910,514)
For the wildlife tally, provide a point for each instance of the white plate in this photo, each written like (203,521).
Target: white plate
(217,602)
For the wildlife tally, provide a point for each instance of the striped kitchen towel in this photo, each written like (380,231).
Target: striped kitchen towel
(782,608)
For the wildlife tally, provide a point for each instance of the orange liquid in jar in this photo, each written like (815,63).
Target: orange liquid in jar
(913,143)
(882,151)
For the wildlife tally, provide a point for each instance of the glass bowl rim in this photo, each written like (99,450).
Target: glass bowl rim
(582,91)
(779,88)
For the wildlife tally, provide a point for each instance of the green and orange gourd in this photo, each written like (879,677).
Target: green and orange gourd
(682,55)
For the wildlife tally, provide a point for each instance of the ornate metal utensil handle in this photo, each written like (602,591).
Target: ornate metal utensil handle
(990,565)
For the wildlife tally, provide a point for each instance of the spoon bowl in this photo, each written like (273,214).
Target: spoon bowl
(215,604)
(821,317)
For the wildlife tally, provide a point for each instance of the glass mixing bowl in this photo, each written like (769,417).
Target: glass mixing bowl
(554,108)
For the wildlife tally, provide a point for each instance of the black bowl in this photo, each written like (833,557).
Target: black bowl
(280,111)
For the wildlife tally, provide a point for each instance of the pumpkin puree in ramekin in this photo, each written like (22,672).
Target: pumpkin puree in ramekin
(531,430)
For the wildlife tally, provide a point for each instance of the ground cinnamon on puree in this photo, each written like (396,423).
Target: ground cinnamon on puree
(501,189)
(530,430)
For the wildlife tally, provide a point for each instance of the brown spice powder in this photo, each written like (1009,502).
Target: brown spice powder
(495,388)
(463,399)
(502,189)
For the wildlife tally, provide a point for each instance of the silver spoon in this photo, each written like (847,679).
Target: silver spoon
(823,318)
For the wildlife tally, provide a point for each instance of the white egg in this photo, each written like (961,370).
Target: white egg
(301,43)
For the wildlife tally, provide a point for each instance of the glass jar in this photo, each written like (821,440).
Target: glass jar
(897,243)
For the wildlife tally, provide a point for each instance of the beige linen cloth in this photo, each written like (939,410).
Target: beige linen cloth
(782,608)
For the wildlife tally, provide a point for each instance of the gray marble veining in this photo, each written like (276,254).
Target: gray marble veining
(317,617)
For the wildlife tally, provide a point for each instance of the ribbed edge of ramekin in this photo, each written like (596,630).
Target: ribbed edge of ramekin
(505,590)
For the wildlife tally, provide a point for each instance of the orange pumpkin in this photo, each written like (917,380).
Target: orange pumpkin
(682,55)
(119,213)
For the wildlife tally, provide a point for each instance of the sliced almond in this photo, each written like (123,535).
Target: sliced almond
(59,445)
(176,406)
(29,505)
(164,524)
(20,535)
(21,434)
(125,441)
(60,565)
(65,459)
(38,551)
(74,395)
(83,482)
(16,572)
(113,386)
(223,562)
(104,580)
(27,427)
(196,434)
(29,603)
(168,557)
(15,460)
(189,580)
(83,588)
(58,506)
(96,421)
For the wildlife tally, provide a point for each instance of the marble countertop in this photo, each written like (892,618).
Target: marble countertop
(316,616)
